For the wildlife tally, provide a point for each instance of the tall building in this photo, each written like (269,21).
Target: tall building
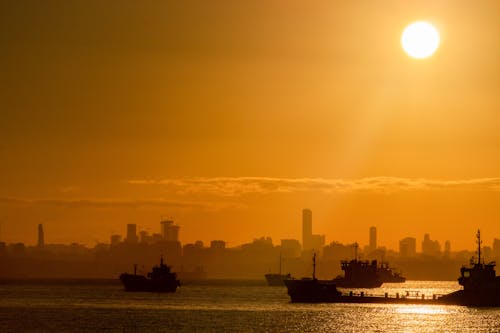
(41,237)
(496,248)
(373,239)
(447,248)
(115,240)
(310,241)
(430,247)
(290,248)
(306,229)
(169,231)
(408,247)
(131,233)
(218,245)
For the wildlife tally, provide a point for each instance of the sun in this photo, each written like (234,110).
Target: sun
(420,40)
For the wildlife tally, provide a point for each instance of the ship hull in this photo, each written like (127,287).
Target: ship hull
(365,283)
(276,280)
(480,298)
(312,291)
(138,283)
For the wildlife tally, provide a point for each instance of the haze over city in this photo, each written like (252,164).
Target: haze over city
(233,117)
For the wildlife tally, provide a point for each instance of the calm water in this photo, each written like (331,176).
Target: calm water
(236,306)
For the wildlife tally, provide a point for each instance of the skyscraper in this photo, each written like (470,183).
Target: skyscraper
(306,229)
(373,239)
(430,247)
(408,247)
(131,233)
(41,237)
(310,241)
(169,231)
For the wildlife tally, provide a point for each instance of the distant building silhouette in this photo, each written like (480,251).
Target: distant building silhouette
(496,248)
(373,239)
(144,237)
(115,240)
(310,242)
(218,245)
(169,231)
(430,247)
(306,229)
(131,233)
(408,247)
(41,237)
(447,248)
(290,248)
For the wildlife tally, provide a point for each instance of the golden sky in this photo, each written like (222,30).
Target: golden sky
(232,116)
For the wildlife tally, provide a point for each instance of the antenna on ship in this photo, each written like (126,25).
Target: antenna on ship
(478,235)
(314,266)
(355,245)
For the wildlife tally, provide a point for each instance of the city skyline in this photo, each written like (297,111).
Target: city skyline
(311,243)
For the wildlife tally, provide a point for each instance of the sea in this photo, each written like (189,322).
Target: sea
(224,306)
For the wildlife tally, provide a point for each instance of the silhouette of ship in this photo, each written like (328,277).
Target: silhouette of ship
(312,290)
(481,287)
(160,279)
(365,274)
(274,279)
(359,273)
(386,274)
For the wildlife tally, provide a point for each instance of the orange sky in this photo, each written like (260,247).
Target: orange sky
(233,116)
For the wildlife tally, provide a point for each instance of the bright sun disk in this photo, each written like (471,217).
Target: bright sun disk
(420,40)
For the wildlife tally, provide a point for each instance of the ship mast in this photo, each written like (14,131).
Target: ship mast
(356,251)
(478,235)
(314,266)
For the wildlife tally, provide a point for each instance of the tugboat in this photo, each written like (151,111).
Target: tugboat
(274,279)
(481,286)
(307,290)
(358,273)
(160,279)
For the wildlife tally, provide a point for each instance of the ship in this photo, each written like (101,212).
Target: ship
(274,279)
(277,279)
(160,279)
(481,285)
(312,290)
(359,273)
(365,273)
(387,275)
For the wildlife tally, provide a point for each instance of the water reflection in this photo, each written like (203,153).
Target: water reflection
(419,309)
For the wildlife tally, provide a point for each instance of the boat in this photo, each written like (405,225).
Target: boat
(359,273)
(160,279)
(312,290)
(387,275)
(274,279)
(481,285)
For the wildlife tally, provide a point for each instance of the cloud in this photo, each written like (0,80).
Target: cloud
(237,186)
(122,203)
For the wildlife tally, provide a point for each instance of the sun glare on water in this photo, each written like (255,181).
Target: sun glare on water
(420,40)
